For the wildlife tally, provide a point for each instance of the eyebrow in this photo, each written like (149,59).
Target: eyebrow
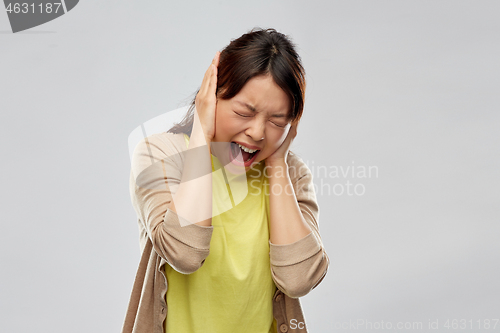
(254,110)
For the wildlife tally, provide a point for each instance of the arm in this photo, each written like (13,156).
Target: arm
(196,181)
(156,174)
(298,259)
(287,223)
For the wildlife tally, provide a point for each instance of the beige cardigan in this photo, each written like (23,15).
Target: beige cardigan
(296,268)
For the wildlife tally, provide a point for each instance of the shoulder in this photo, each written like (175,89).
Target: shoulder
(172,140)
(161,144)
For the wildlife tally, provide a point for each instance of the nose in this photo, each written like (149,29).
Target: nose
(257,129)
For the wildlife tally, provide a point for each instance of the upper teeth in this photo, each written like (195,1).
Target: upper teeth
(248,150)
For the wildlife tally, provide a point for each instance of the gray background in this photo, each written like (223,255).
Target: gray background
(408,86)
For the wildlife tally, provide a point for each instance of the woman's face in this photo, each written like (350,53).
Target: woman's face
(265,128)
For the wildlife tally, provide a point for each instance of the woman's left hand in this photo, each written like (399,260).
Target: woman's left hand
(279,156)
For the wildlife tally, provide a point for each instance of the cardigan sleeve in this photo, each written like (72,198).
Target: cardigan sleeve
(157,164)
(299,267)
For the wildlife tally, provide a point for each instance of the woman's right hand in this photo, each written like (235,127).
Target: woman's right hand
(206,100)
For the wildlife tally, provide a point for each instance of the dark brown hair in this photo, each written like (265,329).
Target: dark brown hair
(258,52)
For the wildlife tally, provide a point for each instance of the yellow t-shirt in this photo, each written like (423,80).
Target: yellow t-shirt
(232,291)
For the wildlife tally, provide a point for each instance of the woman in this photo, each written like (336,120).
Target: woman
(227,214)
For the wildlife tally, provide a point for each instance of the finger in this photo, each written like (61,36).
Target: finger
(216,59)
(207,77)
(212,86)
(205,82)
(208,81)
(292,132)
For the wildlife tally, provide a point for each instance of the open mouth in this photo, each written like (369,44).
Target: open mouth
(235,152)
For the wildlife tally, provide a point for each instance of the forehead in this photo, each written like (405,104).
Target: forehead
(262,94)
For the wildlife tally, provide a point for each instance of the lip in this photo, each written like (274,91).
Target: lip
(237,162)
(248,146)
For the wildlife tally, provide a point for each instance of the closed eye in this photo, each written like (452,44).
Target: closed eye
(279,125)
(241,115)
